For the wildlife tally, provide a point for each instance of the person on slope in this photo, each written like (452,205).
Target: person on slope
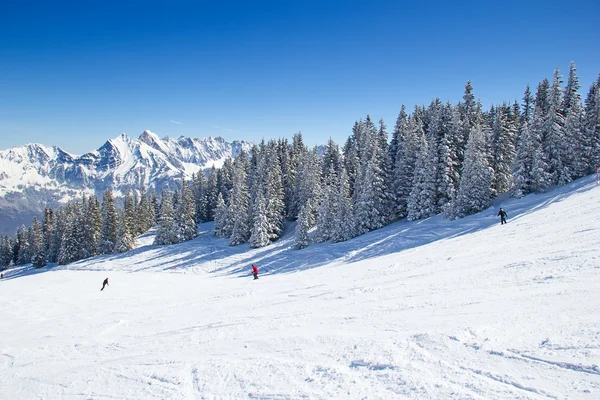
(255,271)
(104,284)
(502,214)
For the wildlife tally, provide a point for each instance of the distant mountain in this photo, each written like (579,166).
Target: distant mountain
(35,176)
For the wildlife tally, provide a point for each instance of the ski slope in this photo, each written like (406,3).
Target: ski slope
(432,309)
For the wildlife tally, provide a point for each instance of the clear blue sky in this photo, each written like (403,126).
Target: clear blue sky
(74,74)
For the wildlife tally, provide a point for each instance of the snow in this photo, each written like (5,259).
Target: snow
(436,309)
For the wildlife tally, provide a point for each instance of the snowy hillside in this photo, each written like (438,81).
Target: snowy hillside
(35,176)
(431,309)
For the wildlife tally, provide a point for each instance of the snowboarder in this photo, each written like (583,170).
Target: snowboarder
(1,276)
(255,271)
(104,284)
(503,216)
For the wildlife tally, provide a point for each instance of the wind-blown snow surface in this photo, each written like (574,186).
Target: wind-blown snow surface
(431,309)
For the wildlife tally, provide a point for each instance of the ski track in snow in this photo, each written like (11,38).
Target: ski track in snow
(431,309)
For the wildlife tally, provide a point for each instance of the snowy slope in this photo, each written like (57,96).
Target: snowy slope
(433,309)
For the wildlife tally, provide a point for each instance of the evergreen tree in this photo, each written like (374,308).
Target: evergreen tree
(48,228)
(329,205)
(24,252)
(422,202)
(474,191)
(591,129)
(212,192)
(125,240)
(553,141)
(259,234)
(70,244)
(6,254)
(130,219)
(343,226)
(504,138)
(409,148)
(238,206)
(199,187)
(36,239)
(303,225)
(274,193)
(186,213)
(167,229)
(92,227)
(221,219)
(108,234)
(57,234)
(574,134)
(297,151)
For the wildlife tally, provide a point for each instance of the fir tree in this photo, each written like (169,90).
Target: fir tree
(167,229)
(108,234)
(259,235)
(303,225)
(474,191)
(343,226)
(125,240)
(186,213)
(238,206)
(36,239)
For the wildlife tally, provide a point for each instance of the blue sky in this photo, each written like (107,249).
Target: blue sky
(74,74)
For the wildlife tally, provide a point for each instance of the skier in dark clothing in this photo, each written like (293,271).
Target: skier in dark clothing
(104,284)
(503,216)
(255,271)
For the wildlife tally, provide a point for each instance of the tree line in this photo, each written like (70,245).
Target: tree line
(440,158)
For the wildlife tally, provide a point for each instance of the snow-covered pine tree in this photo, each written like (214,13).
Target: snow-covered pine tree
(239,203)
(406,160)
(447,130)
(303,225)
(351,158)
(221,218)
(6,255)
(528,106)
(70,244)
(553,141)
(504,139)
(108,234)
(167,228)
(91,226)
(298,152)
(275,206)
(327,210)
(259,234)
(199,188)
(343,223)
(125,240)
(591,128)
(130,219)
(212,192)
(24,254)
(225,179)
(48,228)
(573,129)
(57,234)
(474,191)
(36,240)
(185,214)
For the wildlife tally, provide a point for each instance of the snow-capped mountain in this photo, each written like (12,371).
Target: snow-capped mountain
(35,176)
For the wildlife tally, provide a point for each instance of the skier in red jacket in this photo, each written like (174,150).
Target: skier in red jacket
(255,271)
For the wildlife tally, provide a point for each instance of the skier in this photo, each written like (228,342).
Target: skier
(104,284)
(502,215)
(255,271)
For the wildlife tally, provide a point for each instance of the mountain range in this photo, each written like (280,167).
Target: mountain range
(35,176)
